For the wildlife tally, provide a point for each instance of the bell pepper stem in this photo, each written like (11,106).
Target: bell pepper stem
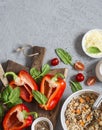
(11,73)
(26,114)
(55,77)
(35,114)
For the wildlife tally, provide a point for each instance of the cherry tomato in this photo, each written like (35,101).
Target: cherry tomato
(91,80)
(54,61)
(79,66)
(79,77)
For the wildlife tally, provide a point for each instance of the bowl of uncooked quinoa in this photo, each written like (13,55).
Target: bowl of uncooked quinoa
(77,112)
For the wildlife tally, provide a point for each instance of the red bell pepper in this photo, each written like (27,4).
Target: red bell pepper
(18,117)
(52,87)
(25,82)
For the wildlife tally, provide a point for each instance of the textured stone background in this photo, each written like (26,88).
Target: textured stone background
(53,24)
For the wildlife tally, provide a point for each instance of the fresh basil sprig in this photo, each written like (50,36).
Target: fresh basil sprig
(64,56)
(75,86)
(93,50)
(10,96)
(39,97)
(37,75)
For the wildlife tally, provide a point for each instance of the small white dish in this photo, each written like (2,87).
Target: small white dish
(67,101)
(39,120)
(98,70)
(84,45)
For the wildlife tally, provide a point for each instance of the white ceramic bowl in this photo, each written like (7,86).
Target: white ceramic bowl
(41,119)
(84,42)
(98,70)
(63,109)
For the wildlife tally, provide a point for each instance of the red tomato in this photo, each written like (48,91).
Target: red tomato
(91,80)
(79,77)
(79,66)
(54,61)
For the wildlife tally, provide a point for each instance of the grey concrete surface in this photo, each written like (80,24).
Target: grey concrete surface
(52,24)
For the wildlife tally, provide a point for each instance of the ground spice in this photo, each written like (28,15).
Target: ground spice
(42,125)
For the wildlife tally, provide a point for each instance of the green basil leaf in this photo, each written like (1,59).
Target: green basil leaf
(75,86)
(37,75)
(45,69)
(14,95)
(18,101)
(39,97)
(34,72)
(64,56)
(5,94)
(93,50)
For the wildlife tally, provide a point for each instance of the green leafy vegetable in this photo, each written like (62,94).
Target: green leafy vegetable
(75,86)
(39,97)
(9,105)
(10,96)
(93,50)
(45,69)
(14,95)
(34,72)
(37,75)
(64,56)
(5,94)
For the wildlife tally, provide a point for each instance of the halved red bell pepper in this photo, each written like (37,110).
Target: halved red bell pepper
(52,87)
(26,83)
(18,117)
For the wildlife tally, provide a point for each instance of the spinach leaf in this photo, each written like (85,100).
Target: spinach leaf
(64,56)
(5,94)
(34,72)
(14,95)
(45,69)
(39,97)
(75,86)
(10,96)
(93,50)
(37,75)
(18,101)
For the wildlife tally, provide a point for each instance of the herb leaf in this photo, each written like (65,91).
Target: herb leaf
(37,75)
(18,101)
(93,50)
(75,86)
(5,94)
(45,69)
(39,97)
(11,96)
(34,72)
(64,56)
(14,95)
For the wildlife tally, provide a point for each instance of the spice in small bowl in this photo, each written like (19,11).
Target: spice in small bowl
(42,123)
